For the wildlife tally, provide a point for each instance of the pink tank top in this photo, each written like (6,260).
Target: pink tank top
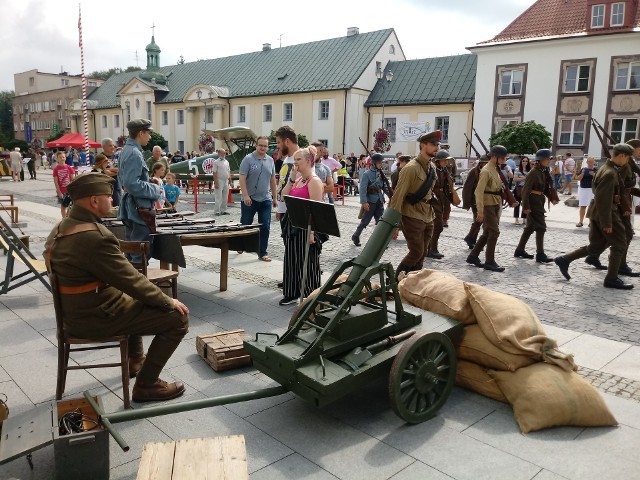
(300,192)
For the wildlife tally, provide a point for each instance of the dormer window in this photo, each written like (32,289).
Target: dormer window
(617,14)
(597,16)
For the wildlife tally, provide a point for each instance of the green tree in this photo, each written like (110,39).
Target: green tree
(156,139)
(105,74)
(6,116)
(521,138)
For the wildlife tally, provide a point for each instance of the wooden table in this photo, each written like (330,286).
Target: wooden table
(245,240)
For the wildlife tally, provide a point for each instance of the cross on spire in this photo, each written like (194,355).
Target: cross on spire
(153,26)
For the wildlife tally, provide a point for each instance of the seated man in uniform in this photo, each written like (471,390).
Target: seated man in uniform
(103,295)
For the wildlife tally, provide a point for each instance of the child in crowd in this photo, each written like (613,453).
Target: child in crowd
(171,192)
(62,176)
(157,172)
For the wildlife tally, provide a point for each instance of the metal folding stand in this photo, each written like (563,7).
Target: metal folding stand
(312,216)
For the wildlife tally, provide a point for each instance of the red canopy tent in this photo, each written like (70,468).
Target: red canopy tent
(75,140)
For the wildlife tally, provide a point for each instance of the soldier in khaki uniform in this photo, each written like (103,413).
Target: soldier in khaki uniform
(469,200)
(103,295)
(440,200)
(606,228)
(629,178)
(538,185)
(488,195)
(417,214)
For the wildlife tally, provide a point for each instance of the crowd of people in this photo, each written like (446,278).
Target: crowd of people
(106,295)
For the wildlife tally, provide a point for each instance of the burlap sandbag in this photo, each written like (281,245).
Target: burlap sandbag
(544,395)
(476,348)
(513,327)
(437,292)
(475,377)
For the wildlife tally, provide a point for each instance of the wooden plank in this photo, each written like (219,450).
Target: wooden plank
(234,454)
(157,461)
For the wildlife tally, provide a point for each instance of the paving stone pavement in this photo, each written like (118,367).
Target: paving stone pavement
(357,436)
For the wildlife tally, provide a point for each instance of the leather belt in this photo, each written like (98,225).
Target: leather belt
(499,194)
(537,192)
(86,288)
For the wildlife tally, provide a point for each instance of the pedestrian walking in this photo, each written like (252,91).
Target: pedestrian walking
(538,186)
(411,198)
(606,227)
(373,187)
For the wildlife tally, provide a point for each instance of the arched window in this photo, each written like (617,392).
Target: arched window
(392,49)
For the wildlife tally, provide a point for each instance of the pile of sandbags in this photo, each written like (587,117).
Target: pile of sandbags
(505,354)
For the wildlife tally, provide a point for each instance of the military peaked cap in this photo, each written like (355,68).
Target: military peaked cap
(431,137)
(623,148)
(139,124)
(89,184)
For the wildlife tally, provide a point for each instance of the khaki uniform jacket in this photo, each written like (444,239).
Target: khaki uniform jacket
(92,256)
(606,185)
(489,181)
(535,180)
(411,178)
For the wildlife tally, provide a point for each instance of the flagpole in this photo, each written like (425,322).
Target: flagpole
(84,85)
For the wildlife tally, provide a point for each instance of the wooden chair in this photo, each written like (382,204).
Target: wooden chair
(65,348)
(159,276)
(18,251)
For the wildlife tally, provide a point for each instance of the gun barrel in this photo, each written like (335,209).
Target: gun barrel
(373,249)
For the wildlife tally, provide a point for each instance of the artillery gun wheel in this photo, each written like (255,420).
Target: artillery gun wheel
(422,376)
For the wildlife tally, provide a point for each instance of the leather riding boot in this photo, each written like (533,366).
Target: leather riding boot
(524,238)
(356,235)
(541,257)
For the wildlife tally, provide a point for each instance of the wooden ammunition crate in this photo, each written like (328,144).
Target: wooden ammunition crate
(224,350)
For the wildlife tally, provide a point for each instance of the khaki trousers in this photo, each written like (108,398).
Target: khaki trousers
(418,235)
(490,233)
(136,319)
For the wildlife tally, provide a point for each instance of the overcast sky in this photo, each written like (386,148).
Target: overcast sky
(43,34)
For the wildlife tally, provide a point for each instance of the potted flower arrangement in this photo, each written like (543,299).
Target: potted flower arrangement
(205,143)
(381,142)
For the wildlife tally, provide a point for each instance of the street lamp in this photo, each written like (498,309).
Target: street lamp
(205,101)
(388,76)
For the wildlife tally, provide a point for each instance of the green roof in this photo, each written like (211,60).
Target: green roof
(427,81)
(332,64)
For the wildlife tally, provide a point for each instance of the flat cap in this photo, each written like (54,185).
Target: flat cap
(139,124)
(89,184)
(543,153)
(635,143)
(404,158)
(443,155)
(376,157)
(431,137)
(498,151)
(623,148)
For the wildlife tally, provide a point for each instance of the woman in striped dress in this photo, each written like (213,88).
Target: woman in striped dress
(303,183)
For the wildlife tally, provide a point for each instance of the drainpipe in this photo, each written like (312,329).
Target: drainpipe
(344,123)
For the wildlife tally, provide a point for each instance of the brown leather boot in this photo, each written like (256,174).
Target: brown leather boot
(156,391)
(135,364)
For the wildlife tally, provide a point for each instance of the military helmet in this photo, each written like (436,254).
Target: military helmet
(443,155)
(498,151)
(543,154)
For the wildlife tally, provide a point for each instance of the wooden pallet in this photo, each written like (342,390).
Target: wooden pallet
(224,350)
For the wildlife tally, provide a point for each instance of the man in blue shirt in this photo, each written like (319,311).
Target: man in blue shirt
(257,176)
(373,186)
(133,174)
